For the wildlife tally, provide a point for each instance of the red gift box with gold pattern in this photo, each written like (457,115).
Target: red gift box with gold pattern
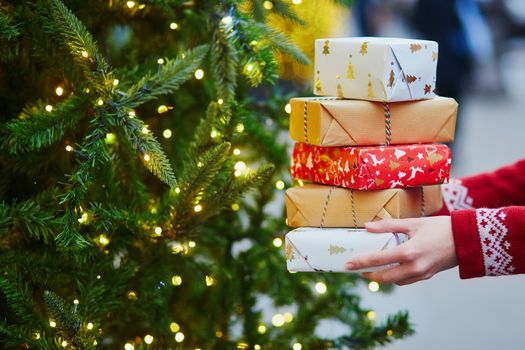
(372,168)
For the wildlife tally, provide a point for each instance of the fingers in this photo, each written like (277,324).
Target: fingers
(384,257)
(401,275)
(407,226)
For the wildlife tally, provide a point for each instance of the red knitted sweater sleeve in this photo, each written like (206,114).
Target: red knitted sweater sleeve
(488,221)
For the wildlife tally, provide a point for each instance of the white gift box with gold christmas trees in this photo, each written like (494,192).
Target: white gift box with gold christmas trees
(375,69)
(310,249)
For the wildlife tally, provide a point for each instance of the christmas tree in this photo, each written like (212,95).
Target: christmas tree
(130,137)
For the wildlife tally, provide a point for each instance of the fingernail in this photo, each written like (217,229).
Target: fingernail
(350,266)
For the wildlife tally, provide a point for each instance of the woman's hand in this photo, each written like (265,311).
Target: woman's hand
(429,250)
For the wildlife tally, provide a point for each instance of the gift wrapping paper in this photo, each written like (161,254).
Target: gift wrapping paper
(327,250)
(315,205)
(375,69)
(338,122)
(372,168)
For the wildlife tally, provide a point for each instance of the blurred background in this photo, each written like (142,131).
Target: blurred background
(482,65)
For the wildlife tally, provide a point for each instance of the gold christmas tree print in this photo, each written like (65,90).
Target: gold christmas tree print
(318,88)
(391,79)
(364,48)
(326,47)
(350,71)
(334,249)
(370,88)
(289,251)
(434,56)
(411,79)
(415,48)
(340,90)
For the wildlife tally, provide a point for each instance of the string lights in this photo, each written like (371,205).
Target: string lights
(297,346)
(148,339)
(373,286)
(176,280)
(199,74)
(49,108)
(320,287)
(236,207)
(59,91)
(89,326)
(179,337)
(288,108)
(261,329)
(167,133)
(371,315)
(277,242)
(268,5)
(129,346)
(278,320)
(279,185)
(174,25)
(174,327)
(69,148)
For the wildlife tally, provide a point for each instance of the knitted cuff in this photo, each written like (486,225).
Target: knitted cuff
(468,246)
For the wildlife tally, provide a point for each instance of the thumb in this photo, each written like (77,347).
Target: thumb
(406,226)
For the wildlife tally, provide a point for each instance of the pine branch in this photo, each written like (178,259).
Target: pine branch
(9,32)
(30,218)
(276,40)
(83,48)
(284,10)
(17,337)
(18,295)
(170,76)
(153,157)
(36,128)
(66,319)
(225,61)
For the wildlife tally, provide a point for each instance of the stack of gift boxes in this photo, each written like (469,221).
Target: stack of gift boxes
(369,147)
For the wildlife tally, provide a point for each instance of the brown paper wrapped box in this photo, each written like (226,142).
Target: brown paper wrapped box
(305,205)
(336,122)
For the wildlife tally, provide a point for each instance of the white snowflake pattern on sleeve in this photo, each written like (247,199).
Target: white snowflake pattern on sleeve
(456,196)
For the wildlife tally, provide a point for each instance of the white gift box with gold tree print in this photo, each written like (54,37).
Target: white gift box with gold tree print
(310,249)
(375,69)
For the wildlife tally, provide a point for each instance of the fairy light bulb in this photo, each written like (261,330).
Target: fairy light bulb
(132,114)
(297,2)
(239,128)
(167,133)
(198,208)
(146,157)
(59,91)
(199,74)
(85,54)
(115,82)
(288,108)
(64,343)
(209,280)
(277,242)
(103,240)
(236,151)
(278,320)
(220,101)
(52,324)
(76,302)
(257,347)
(268,5)
(389,332)
(297,346)
(158,230)
(288,317)
(69,148)
(162,109)
(192,244)
(249,67)
(148,339)
(49,108)
(261,329)
(130,4)
(173,25)
(110,138)
(240,165)
(226,20)
(89,326)
(129,346)
(371,315)
(320,287)
(160,61)
(373,286)
(145,130)
(176,280)
(100,102)
(179,337)
(236,207)
(279,184)
(174,327)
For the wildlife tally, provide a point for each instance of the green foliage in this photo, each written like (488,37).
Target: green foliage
(146,230)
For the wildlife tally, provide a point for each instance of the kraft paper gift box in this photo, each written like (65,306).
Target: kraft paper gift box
(375,69)
(373,167)
(338,122)
(325,206)
(328,250)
